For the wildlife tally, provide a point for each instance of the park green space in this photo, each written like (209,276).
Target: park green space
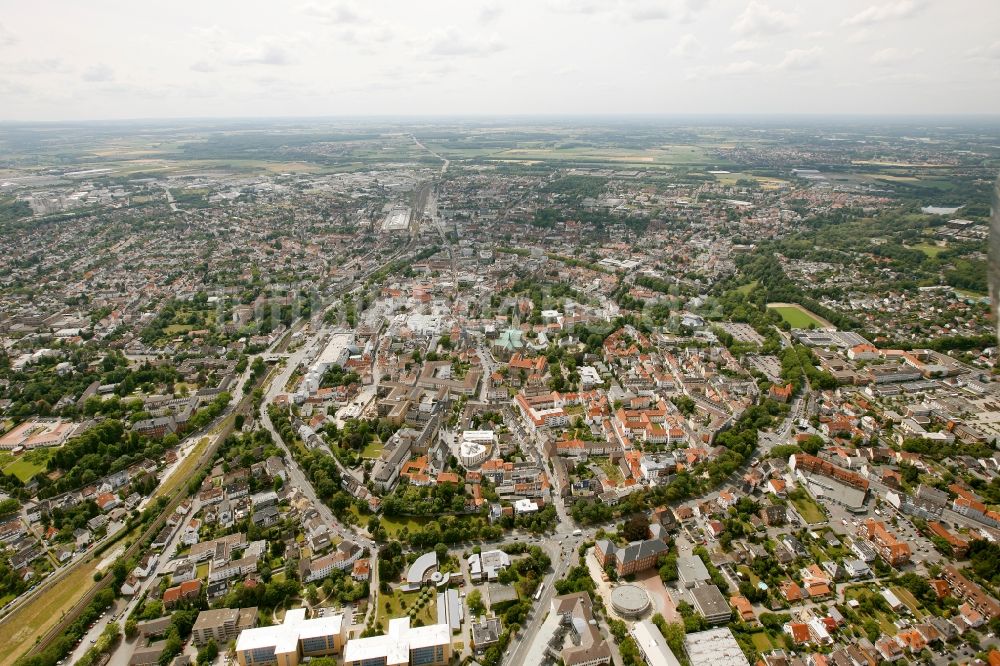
(397,604)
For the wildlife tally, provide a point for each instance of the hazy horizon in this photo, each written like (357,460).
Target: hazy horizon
(832,121)
(68,62)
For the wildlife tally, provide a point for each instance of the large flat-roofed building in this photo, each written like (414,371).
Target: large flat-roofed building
(715,647)
(38,433)
(287,643)
(402,644)
(712,605)
(398,219)
(222,624)
(653,645)
(691,571)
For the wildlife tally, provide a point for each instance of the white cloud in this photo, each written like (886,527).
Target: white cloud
(339,14)
(741,67)
(887,12)
(203,66)
(38,66)
(680,11)
(860,36)
(99,73)
(761,19)
(264,54)
(688,45)
(890,56)
(687,9)
(13,88)
(586,7)
(744,46)
(801,58)
(451,42)
(649,11)
(227,49)
(363,35)
(991,52)
(490,12)
(7,38)
(322,50)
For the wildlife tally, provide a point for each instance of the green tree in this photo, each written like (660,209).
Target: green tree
(208,652)
(475,601)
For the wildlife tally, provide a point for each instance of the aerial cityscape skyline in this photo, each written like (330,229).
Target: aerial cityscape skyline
(500,333)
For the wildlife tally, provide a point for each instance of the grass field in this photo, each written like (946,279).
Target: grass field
(373,449)
(393,524)
(751,576)
(400,603)
(930,249)
(187,466)
(762,642)
(974,295)
(745,289)
(907,598)
(884,621)
(797,316)
(809,510)
(42,612)
(29,464)
(765,182)
(614,474)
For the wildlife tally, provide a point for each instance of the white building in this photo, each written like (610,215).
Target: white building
(402,644)
(475,447)
(487,565)
(296,636)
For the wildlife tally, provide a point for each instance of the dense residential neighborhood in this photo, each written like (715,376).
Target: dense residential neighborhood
(436,411)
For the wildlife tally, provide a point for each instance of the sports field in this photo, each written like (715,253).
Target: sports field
(798,317)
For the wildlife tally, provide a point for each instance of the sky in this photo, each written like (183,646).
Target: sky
(103,59)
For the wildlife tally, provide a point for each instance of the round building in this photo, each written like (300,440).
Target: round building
(630,601)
